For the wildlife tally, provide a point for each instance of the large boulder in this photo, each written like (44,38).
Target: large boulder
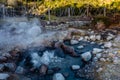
(58,76)
(86,56)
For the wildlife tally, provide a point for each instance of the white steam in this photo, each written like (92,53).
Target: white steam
(15,32)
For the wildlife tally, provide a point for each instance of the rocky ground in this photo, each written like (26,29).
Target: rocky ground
(101,63)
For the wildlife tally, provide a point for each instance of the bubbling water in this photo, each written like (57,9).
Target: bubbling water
(18,32)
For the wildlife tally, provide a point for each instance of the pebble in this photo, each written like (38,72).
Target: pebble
(98,55)
(75,67)
(92,37)
(97,50)
(102,59)
(80,39)
(95,59)
(19,70)
(86,56)
(99,70)
(80,47)
(98,37)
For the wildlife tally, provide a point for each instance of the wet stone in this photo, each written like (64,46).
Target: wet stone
(97,50)
(19,70)
(75,67)
(4,76)
(86,56)
(73,42)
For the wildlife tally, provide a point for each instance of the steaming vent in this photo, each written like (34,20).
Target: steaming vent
(18,32)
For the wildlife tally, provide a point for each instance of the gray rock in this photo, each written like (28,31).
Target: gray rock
(74,42)
(87,38)
(58,76)
(98,37)
(95,59)
(116,60)
(92,37)
(110,36)
(117,39)
(99,70)
(80,47)
(86,56)
(75,67)
(97,50)
(108,45)
(102,59)
(19,70)
(98,55)
(81,38)
(4,76)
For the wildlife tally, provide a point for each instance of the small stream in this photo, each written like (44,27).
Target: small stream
(53,61)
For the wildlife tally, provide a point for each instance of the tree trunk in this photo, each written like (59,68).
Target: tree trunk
(104,13)
(88,10)
(69,12)
(49,14)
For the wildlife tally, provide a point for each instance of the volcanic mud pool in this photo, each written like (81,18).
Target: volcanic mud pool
(35,57)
